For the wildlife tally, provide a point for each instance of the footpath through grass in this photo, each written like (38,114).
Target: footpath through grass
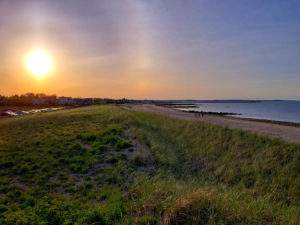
(105,165)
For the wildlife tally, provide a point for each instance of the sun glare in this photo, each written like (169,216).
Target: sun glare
(39,63)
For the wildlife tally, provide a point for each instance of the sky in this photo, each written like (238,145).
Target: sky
(158,49)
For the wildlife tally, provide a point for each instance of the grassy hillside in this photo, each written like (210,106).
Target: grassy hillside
(105,165)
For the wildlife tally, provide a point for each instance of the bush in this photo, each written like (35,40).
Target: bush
(3,208)
(148,220)
(123,144)
(109,140)
(75,167)
(122,156)
(91,137)
(140,159)
(101,147)
(93,216)
(88,185)
(6,164)
(112,159)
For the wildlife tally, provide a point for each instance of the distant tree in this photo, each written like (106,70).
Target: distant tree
(2,99)
(30,95)
(40,95)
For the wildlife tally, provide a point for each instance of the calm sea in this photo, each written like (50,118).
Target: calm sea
(288,111)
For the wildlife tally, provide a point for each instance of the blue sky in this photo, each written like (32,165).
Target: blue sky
(168,49)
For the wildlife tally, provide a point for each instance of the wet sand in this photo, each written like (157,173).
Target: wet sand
(287,133)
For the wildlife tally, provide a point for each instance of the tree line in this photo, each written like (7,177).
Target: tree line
(28,99)
(31,99)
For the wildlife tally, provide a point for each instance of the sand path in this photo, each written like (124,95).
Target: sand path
(287,133)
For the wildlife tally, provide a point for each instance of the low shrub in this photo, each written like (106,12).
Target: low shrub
(112,159)
(123,144)
(140,159)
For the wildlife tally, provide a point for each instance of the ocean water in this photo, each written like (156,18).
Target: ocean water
(288,111)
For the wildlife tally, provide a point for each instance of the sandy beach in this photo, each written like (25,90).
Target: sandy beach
(287,133)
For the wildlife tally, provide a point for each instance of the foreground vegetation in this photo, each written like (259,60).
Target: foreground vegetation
(105,165)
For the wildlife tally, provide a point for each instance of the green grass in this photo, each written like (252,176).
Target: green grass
(105,165)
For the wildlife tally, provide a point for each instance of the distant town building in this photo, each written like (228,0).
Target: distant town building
(37,101)
(102,101)
(65,101)
(83,101)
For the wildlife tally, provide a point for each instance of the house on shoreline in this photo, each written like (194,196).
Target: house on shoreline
(62,101)
(65,101)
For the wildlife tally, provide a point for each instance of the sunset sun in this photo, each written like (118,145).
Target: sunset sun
(39,63)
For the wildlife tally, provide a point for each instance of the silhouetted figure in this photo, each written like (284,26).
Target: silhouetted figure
(202,114)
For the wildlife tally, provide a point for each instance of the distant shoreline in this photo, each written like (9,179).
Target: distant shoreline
(231,115)
(276,129)
(204,108)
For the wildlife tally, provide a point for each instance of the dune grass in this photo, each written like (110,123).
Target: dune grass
(105,165)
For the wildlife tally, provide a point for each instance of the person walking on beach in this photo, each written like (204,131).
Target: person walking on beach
(202,114)
(197,114)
